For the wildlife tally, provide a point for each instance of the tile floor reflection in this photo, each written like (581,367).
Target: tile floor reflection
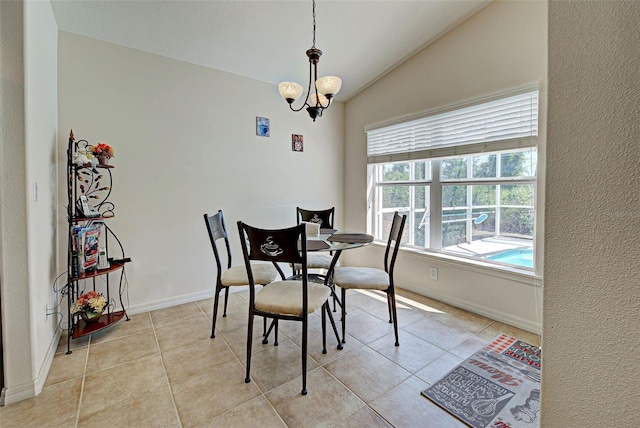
(161,369)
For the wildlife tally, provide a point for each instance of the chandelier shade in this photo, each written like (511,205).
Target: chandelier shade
(324,88)
(290,90)
(328,85)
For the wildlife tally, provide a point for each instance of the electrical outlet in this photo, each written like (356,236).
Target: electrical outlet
(433,273)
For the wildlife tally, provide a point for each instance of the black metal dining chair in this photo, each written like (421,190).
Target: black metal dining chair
(365,278)
(318,260)
(232,275)
(322,217)
(287,299)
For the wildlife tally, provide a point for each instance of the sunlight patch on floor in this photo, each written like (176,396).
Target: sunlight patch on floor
(401,302)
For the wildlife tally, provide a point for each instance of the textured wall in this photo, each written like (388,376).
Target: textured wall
(14,279)
(28,134)
(592,235)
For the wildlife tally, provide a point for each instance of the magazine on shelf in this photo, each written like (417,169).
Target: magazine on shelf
(85,247)
(90,248)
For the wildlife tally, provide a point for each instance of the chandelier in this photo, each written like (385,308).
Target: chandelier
(324,88)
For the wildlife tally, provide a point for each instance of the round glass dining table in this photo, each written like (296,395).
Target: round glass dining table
(335,242)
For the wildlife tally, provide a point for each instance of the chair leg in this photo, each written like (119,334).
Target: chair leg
(344,314)
(335,298)
(275,323)
(247,379)
(333,325)
(226,299)
(266,335)
(392,293)
(325,307)
(389,307)
(216,299)
(264,326)
(304,354)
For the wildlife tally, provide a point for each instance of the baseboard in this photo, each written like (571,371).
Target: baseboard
(523,323)
(176,300)
(18,393)
(48,360)
(31,389)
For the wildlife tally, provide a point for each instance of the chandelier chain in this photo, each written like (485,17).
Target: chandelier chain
(314,24)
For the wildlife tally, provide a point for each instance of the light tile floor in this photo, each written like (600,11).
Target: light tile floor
(161,369)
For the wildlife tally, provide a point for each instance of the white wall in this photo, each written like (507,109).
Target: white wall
(186,145)
(592,239)
(41,126)
(29,265)
(501,47)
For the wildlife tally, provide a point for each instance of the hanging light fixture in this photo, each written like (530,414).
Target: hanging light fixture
(325,88)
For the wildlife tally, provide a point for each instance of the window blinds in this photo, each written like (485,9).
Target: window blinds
(505,123)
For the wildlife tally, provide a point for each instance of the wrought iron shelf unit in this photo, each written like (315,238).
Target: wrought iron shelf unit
(88,165)
(97,272)
(94,183)
(80,219)
(83,328)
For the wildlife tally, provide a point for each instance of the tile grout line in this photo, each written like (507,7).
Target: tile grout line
(84,375)
(356,395)
(164,368)
(262,394)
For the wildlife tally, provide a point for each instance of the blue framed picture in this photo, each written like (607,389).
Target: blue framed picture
(262,126)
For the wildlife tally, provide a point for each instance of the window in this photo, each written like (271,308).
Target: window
(466,178)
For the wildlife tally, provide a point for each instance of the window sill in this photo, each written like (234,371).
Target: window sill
(525,276)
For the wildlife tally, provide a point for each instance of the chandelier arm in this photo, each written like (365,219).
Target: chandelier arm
(306,100)
(312,76)
(315,85)
(328,104)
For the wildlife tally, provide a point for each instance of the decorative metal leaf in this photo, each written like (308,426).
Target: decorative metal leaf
(82,188)
(99,177)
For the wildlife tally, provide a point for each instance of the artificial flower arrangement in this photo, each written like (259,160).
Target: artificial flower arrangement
(90,304)
(102,149)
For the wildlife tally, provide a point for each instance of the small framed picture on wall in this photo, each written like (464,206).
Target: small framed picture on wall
(262,126)
(297,143)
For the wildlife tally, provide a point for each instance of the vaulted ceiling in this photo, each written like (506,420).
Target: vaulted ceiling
(267,40)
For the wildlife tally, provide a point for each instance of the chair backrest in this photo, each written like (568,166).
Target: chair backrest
(287,245)
(217,230)
(393,244)
(323,217)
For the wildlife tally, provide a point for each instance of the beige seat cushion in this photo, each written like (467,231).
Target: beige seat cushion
(285,297)
(263,273)
(362,278)
(318,261)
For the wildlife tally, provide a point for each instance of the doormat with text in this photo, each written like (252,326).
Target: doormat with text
(498,386)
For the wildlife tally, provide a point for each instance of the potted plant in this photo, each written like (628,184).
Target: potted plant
(89,306)
(103,152)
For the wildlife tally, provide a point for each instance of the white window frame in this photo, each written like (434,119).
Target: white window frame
(430,149)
